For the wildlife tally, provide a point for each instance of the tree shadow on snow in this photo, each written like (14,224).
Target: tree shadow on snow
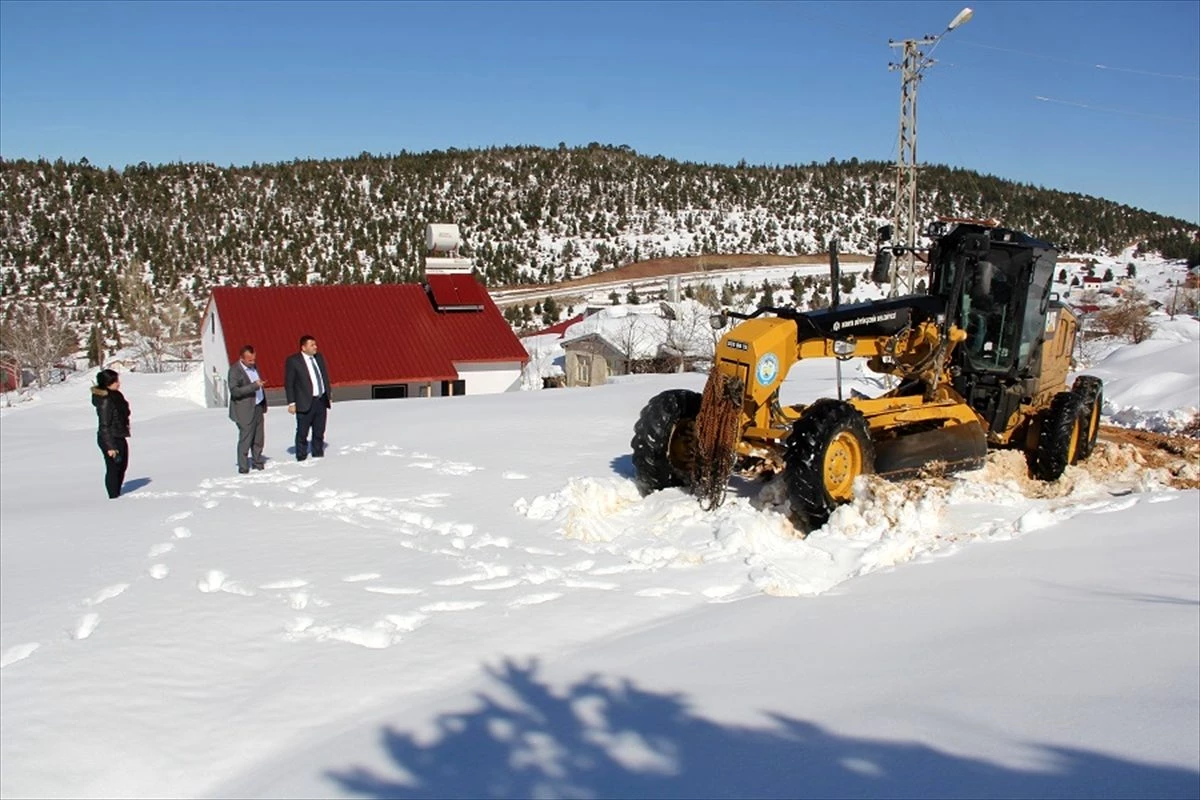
(605,737)
(134,484)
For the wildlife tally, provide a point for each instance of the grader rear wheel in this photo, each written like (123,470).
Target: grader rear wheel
(663,440)
(828,448)
(1091,395)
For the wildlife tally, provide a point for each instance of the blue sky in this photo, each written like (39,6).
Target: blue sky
(768,82)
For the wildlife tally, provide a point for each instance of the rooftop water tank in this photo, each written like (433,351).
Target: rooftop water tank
(441,238)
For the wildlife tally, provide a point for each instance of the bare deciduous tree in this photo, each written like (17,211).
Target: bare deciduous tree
(631,340)
(1128,319)
(37,337)
(156,323)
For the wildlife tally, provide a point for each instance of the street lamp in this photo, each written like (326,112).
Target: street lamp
(904,210)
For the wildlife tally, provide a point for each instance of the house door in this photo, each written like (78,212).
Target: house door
(454,388)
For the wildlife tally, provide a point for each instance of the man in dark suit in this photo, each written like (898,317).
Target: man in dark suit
(306,385)
(247,404)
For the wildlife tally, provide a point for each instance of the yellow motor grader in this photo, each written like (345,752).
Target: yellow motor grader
(979,361)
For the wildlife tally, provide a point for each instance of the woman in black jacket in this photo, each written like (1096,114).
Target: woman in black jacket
(112,413)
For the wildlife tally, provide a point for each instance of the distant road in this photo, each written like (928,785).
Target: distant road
(623,280)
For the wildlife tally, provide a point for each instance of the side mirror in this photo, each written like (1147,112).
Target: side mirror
(718,321)
(882,271)
(982,287)
(885,233)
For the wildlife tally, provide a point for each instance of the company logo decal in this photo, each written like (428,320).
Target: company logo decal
(767,369)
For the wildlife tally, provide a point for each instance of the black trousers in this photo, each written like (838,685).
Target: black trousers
(114,466)
(313,419)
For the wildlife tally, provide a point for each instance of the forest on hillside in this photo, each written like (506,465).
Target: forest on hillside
(72,235)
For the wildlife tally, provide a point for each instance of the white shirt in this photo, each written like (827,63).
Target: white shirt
(252,374)
(314,375)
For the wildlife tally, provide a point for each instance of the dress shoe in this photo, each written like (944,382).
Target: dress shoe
(258,465)
(243,470)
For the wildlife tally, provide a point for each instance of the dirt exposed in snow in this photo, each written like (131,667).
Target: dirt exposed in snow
(1177,455)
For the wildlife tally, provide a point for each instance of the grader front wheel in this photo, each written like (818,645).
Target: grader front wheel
(828,448)
(663,440)
(1061,433)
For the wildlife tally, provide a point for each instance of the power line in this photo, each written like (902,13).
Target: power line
(1083,63)
(1116,110)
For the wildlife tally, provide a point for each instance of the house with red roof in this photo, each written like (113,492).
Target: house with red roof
(443,337)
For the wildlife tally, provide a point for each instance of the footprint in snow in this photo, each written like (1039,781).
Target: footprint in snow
(513,476)
(394,590)
(460,605)
(182,515)
(159,571)
(488,540)
(659,591)
(107,593)
(182,533)
(289,583)
(216,581)
(160,549)
(608,586)
(85,626)
(18,652)
(534,599)
(719,594)
(363,576)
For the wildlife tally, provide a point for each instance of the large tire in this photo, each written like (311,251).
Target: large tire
(662,440)
(1091,394)
(1059,438)
(827,449)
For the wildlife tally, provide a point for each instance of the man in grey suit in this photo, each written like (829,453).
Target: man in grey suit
(247,405)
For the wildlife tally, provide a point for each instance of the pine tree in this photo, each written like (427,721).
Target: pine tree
(95,348)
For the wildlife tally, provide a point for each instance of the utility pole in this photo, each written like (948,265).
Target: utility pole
(904,208)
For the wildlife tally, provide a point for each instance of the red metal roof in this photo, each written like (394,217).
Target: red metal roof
(559,327)
(370,334)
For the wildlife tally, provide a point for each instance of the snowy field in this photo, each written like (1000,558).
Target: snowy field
(469,598)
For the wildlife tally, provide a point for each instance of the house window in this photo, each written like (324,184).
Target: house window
(583,371)
(389,391)
(454,388)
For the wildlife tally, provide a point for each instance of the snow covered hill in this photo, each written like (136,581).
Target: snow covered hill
(469,598)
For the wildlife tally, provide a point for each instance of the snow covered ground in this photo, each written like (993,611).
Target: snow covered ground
(469,598)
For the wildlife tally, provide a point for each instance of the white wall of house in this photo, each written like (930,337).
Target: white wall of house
(490,378)
(589,362)
(216,363)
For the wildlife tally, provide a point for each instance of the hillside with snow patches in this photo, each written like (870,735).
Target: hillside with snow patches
(469,598)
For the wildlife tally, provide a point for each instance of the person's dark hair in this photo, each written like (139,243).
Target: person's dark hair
(305,339)
(246,348)
(106,378)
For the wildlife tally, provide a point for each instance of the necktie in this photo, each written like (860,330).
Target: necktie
(317,372)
